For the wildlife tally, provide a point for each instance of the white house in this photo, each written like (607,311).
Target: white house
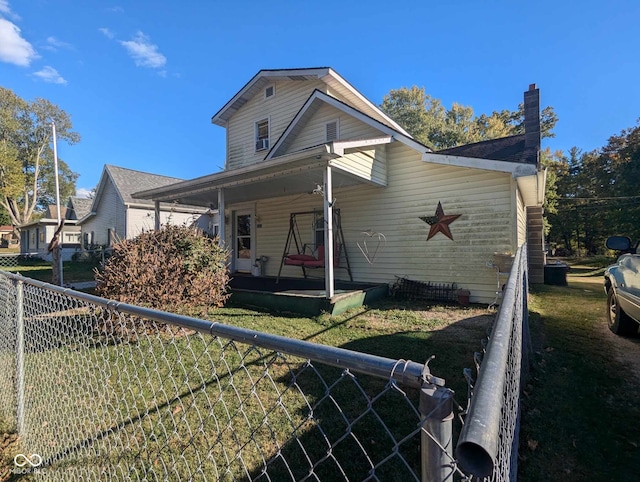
(114,213)
(36,236)
(306,141)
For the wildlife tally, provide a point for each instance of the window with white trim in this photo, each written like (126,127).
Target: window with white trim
(331,130)
(262,135)
(270,91)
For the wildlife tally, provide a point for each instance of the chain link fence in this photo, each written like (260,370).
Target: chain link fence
(488,444)
(105,391)
(13,260)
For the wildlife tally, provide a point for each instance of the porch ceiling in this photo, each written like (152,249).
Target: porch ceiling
(287,175)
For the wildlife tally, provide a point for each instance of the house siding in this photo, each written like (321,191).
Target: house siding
(141,220)
(280,109)
(348,128)
(110,214)
(368,164)
(487,224)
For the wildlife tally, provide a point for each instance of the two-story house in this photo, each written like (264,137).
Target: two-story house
(315,171)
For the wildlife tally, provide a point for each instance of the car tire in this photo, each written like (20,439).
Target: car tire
(619,322)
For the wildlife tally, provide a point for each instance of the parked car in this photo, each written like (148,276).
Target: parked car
(622,285)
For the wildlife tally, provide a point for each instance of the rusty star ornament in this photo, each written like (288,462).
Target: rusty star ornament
(440,222)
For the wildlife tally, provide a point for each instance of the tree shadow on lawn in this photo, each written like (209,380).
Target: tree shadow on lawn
(355,422)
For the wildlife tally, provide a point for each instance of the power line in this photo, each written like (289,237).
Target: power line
(597,198)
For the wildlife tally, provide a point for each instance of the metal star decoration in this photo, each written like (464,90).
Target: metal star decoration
(440,223)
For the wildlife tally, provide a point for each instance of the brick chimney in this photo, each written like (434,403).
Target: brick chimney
(532,124)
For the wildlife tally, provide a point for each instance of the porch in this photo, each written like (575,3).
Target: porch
(304,296)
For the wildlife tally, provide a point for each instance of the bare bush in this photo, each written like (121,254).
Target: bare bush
(166,269)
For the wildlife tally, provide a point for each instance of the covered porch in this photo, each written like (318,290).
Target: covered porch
(314,170)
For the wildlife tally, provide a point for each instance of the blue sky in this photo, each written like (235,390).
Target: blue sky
(141,79)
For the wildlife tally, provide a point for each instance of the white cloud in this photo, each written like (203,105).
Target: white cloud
(143,52)
(51,75)
(106,32)
(13,48)
(5,10)
(83,192)
(54,44)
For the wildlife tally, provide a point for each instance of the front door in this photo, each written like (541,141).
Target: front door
(243,241)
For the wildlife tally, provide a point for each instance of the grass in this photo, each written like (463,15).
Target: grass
(580,407)
(198,402)
(581,411)
(41,270)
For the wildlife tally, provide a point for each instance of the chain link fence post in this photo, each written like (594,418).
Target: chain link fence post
(436,408)
(20,356)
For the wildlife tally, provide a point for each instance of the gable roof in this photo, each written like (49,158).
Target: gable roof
(312,104)
(128,181)
(326,74)
(78,207)
(52,212)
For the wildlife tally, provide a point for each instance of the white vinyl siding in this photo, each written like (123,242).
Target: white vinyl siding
(280,109)
(110,214)
(314,132)
(366,163)
(140,220)
(486,224)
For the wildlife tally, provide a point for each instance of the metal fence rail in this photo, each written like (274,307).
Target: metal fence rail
(105,391)
(488,443)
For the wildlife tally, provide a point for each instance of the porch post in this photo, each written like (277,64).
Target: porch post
(157,209)
(328,234)
(221,230)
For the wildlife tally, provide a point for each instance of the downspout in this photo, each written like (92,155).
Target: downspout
(328,234)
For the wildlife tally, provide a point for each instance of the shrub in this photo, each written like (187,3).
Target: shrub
(166,269)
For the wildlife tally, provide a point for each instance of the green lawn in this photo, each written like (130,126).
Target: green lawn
(42,270)
(581,413)
(208,403)
(580,407)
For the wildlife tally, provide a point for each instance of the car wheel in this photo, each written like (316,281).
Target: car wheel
(619,322)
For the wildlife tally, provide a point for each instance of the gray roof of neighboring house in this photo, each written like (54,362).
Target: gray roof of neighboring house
(79,207)
(503,149)
(128,181)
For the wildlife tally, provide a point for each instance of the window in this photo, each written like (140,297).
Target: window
(331,130)
(262,135)
(270,91)
(318,229)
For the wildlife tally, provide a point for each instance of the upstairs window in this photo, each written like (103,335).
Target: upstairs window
(262,135)
(331,130)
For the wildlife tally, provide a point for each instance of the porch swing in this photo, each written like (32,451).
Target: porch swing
(311,255)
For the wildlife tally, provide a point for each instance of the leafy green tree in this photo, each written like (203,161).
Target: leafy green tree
(429,122)
(27,182)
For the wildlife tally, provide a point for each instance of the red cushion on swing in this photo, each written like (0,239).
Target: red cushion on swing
(301,257)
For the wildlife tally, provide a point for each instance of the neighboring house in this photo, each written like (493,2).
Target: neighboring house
(114,214)
(7,236)
(305,140)
(36,236)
